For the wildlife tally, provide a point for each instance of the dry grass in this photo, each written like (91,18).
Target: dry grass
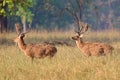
(68,64)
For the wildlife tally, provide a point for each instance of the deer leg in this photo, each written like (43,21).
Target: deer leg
(32,60)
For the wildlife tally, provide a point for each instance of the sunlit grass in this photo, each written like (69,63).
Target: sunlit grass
(68,64)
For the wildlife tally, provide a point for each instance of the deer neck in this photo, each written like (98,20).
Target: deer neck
(79,43)
(21,44)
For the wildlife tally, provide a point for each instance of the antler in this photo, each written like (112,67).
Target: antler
(76,18)
(18,28)
(74,14)
(28,29)
(82,27)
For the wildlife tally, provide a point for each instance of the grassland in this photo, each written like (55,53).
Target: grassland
(68,64)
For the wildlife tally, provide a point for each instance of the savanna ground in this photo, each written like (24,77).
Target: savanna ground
(68,64)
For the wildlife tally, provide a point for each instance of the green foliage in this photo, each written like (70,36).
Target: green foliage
(18,8)
(24,9)
(7,7)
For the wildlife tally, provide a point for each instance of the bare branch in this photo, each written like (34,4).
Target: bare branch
(60,12)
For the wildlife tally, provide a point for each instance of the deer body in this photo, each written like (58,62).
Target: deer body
(95,49)
(35,50)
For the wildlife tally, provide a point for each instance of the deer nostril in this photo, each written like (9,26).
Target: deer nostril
(73,38)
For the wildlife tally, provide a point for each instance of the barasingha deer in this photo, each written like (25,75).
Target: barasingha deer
(87,48)
(33,50)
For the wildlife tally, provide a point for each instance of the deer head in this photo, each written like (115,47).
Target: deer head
(79,34)
(81,26)
(20,33)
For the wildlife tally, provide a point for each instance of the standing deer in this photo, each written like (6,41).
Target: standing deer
(33,50)
(87,48)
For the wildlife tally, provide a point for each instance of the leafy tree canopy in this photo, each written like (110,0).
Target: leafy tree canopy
(17,8)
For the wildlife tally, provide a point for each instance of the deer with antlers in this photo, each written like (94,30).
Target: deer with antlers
(33,50)
(87,48)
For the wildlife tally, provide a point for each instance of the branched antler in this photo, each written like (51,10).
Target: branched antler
(82,27)
(28,29)
(18,28)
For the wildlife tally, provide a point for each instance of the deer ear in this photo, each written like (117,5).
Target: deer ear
(81,35)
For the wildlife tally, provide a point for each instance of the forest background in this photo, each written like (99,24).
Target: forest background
(49,14)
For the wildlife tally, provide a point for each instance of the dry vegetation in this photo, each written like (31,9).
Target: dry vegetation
(68,64)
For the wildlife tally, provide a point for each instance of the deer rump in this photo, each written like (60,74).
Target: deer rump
(40,51)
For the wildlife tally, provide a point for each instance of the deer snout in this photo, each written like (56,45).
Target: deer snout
(74,38)
(15,40)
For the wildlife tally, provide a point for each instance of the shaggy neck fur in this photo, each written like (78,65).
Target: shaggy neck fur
(79,43)
(21,44)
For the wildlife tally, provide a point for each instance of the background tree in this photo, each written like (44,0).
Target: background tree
(18,8)
(101,14)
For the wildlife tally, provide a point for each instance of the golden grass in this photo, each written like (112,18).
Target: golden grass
(68,64)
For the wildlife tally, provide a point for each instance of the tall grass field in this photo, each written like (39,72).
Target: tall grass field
(69,63)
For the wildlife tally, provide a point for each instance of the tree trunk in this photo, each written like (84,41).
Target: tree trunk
(0,27)
(1,24)
(24,23)
(5,24)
